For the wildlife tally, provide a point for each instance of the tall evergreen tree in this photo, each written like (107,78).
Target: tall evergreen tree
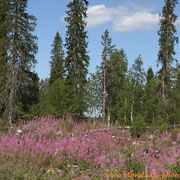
(167,42)
(30,95)
(56,94)
(4,29)
(175,115)
(21,52)
(51,98)
(106,53)
(56,86)
(77,60)
(44,107)
(57,59)
(116,85)
(150,100)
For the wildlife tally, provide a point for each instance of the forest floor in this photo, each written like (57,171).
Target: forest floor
(50,149)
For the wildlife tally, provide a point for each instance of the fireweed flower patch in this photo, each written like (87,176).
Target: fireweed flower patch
(62,149)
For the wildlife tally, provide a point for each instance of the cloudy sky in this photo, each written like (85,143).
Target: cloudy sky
(133,26)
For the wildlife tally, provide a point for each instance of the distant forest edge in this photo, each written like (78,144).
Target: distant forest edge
(112,94)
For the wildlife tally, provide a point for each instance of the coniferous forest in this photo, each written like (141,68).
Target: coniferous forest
(44,117)
(123,94)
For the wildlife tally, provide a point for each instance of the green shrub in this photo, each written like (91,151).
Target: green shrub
(4,126)
(139,126)
(174,134)
(164,127)
(132,163)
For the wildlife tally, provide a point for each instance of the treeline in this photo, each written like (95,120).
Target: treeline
(113,93)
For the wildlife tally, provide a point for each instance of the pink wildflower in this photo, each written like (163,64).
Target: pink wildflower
(153,171)
(86,177)
(174,143)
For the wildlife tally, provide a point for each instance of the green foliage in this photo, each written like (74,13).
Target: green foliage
(137,80)
(174,134)
(44,108)
(116,85)
(167,41)
(94,94)
(108,48)
(77,60)
(30,97)
(139,126)
(127,95)
(163,127)
(4,28)
(21,51)
(57,59)
(52,99)
(175,99)
(4,126)
(54,103)
(176,169)
(132,163)
(57,98)
(150,99)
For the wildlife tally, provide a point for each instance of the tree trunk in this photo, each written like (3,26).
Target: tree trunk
(125,104)
(11,109)
(132,111)
(132,104)
(153,118)
(108,117)
(104,93)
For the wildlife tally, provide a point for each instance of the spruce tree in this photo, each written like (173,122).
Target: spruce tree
(57,59)
(44,107)
(56,88)
(21,53)
(106,53)
(167,40)
(150,100)
(30,95)
(175,115)
(77,60)
(56,100)
(116,85)
(4,29)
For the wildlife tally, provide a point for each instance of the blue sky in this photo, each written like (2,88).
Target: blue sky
(133,26)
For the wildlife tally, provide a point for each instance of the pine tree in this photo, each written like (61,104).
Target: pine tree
(77,60)
(167,42)
(21,53)
(57,59)
(107,50)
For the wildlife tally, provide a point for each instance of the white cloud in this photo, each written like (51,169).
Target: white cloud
(98,15)
(135,21)
(122,18)
(127,18)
